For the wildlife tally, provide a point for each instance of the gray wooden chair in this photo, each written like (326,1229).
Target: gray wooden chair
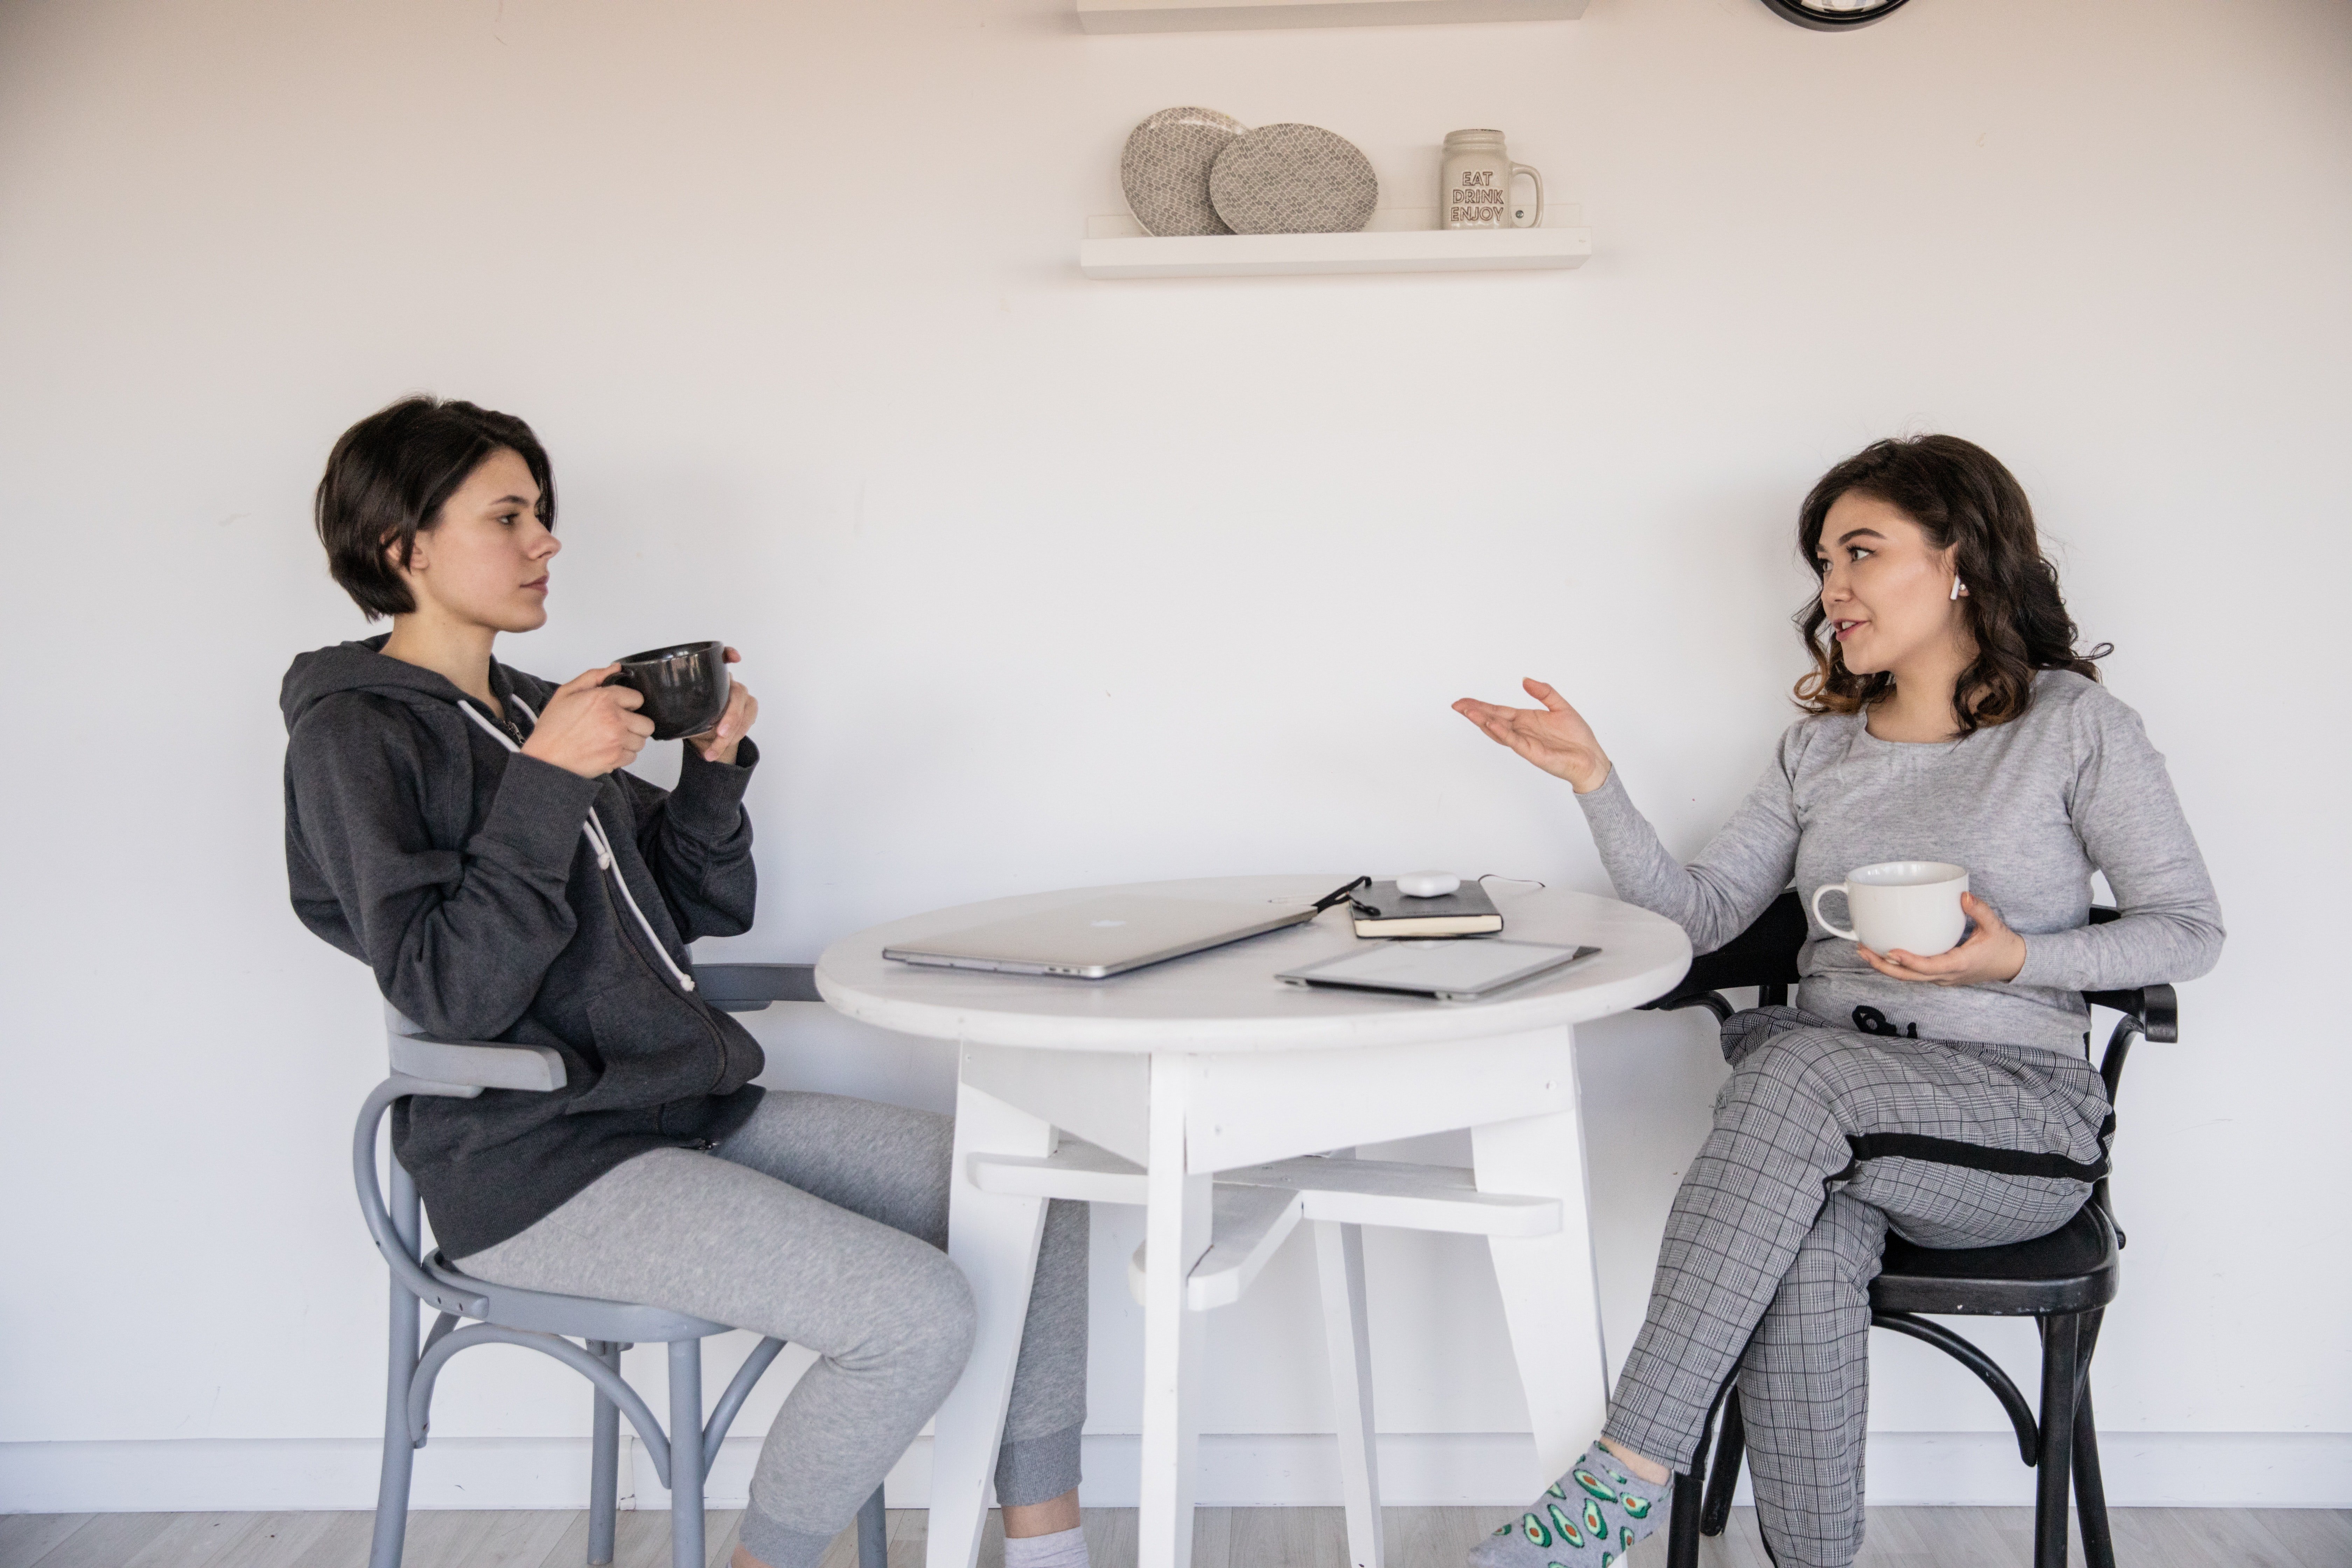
(499,1315)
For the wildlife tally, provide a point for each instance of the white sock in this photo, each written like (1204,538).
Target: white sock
(1062,1549)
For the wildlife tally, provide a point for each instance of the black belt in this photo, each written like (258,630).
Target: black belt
(1976,1156)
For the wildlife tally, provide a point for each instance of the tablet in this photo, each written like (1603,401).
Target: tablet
(1449,971)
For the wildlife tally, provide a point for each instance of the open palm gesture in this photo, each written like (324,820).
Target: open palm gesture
(1554,737)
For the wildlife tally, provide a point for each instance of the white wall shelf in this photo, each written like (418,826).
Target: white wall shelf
(1219,15)
(1371,251)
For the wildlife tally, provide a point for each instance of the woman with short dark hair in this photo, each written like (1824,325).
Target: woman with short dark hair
(1950,719)
(470,833)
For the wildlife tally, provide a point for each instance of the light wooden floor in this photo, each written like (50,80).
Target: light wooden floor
(1226,1538)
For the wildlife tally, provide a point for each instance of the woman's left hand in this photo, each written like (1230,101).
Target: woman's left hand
(1992,952)
(718,743)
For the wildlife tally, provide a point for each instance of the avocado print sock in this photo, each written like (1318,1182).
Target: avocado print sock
(1590,1517)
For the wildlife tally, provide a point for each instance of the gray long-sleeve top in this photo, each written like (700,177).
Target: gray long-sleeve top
(2030,807)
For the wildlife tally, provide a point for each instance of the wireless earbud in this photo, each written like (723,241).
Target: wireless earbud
(1958,587)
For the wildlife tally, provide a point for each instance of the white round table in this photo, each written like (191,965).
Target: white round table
(1203,1089)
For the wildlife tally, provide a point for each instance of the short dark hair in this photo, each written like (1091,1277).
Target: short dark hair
(389,475)
(1958,494)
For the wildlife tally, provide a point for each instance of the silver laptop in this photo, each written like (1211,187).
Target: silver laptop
(1102,936)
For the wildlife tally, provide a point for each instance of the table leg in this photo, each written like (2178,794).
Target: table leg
(993,1238)
(1550,1288)
(1176,1232)
(1339,1259)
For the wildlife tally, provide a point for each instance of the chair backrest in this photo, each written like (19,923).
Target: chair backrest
(398,1242)
(1764,955)
(444,1069)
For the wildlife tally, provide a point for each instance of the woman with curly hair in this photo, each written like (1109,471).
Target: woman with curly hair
(1948,717)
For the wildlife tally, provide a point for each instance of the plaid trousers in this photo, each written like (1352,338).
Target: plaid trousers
(1776,1231)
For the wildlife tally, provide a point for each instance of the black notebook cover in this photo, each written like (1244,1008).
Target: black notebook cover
(1382,903)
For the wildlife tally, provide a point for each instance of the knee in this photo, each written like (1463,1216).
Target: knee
(1797,1052)
(1817,1269)
(1773,1070)
(1839,1257)
(946,1317)
(924,1331)
(1817,1304)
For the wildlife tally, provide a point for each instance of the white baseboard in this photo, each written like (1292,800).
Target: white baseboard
(2171,1470)
(2142,1469)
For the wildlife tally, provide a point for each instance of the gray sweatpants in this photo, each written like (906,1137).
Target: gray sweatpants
(823,1222)
(1766,1267)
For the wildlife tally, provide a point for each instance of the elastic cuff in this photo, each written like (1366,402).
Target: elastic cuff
(1037,1469)
(709,796)
(780,1545)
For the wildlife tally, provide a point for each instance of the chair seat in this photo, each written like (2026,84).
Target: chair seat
(579,1317)
(2073,1269)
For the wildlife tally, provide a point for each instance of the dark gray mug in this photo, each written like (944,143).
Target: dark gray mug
(684,685)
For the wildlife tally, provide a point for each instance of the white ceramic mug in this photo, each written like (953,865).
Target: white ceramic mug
(1475,191)
(1911,904)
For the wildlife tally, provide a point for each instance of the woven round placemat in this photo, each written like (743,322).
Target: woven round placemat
(1293,179)
(1165,170)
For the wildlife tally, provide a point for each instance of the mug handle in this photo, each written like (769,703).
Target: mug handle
(1835,928)
(1536,221)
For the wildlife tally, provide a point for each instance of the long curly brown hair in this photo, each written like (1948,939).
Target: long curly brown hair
(1957,493)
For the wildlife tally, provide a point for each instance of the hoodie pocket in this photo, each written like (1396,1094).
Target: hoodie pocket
(650,1057)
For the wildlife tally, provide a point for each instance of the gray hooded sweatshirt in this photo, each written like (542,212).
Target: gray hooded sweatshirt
(460,871)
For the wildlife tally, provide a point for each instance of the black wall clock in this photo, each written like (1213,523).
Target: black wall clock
(1833,16)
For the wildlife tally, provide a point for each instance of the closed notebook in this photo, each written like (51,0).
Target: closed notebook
(1381,911)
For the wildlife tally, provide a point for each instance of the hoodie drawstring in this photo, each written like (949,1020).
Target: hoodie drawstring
(597,840)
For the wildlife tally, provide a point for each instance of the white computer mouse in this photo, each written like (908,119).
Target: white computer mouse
(1427,884)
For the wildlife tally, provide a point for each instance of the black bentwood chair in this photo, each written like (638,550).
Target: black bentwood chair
(2063,1280)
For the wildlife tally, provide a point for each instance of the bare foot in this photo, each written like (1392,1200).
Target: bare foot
(744,1559)
(1649,1469)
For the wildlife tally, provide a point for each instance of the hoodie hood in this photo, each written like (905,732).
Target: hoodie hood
(363,666)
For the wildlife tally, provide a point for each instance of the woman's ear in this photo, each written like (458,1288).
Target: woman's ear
(415,562)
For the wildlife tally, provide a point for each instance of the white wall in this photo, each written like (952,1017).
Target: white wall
(1046,582)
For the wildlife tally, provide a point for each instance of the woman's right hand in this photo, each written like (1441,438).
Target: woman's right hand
(1554,737)
(590,727)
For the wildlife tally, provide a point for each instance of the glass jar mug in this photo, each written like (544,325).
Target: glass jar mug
(1475,191)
